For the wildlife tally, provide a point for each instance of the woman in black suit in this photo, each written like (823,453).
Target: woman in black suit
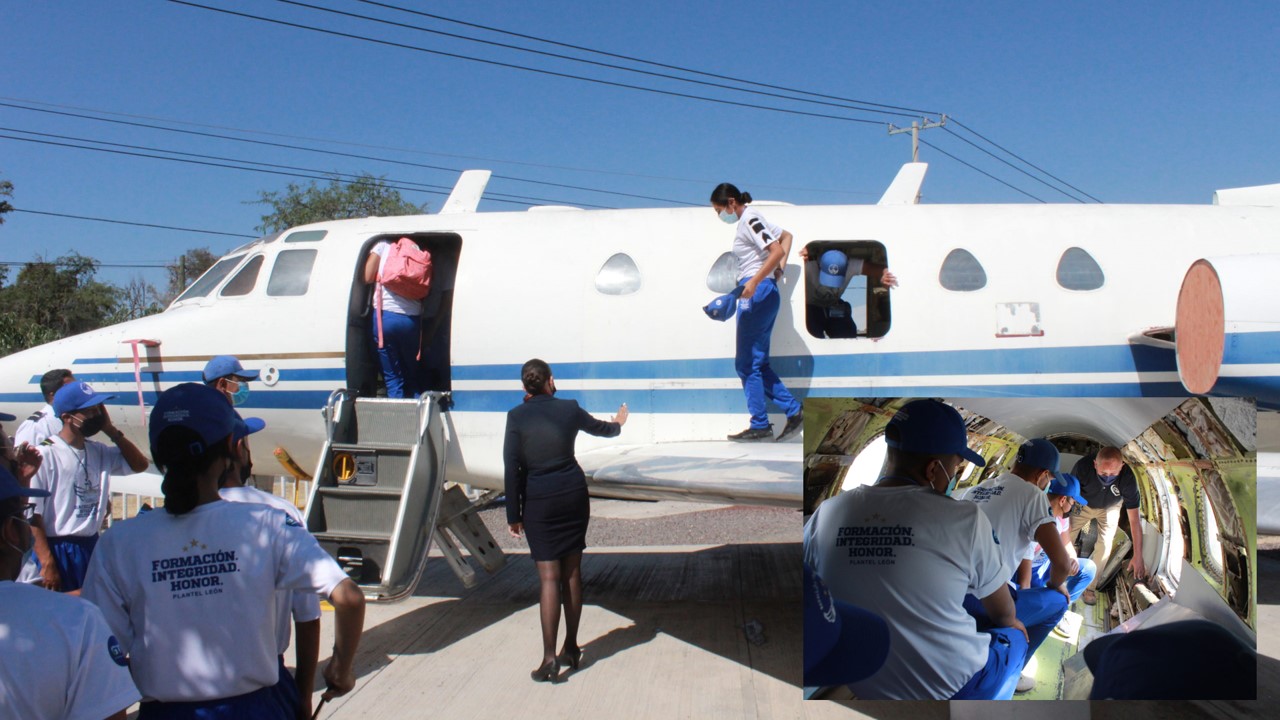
(547,501)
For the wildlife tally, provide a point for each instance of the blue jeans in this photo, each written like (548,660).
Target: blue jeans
(1076,584)
(398,354)
(1039,609)
(759,381)
(998,679)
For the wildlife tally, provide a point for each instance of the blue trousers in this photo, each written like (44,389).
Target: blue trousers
(1076,584)
(399,353)
(998,679)
(71,554)
(1039,609)
(759,381)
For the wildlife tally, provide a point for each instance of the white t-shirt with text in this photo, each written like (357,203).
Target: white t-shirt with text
(1016,508)
(79,483)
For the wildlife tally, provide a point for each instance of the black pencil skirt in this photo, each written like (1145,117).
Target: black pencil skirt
(556,525)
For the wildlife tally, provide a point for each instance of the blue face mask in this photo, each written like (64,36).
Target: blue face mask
(729,217)
(1107,479)
(241,395)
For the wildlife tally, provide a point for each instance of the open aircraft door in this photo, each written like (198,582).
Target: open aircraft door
(379,488)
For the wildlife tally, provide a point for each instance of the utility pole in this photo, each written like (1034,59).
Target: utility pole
(916,127)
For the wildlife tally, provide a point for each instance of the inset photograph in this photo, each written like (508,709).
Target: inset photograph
(1039,549)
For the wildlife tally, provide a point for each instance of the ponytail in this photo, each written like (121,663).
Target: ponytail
(181,454)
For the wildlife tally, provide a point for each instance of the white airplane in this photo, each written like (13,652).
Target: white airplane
(1195,464)
(993,300)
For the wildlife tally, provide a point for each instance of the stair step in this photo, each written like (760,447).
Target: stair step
(382,537)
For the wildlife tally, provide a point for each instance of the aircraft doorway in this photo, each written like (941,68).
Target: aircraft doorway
(430,367)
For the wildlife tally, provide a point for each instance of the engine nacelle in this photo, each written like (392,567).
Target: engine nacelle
(1227,334)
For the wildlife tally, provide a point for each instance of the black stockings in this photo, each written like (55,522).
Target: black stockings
(561,582)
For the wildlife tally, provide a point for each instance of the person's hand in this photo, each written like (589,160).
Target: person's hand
(107,425)
(1063,589)
(888,279)
(339,681)
(516,530)
(804,253)
(26,461)
(1018,624)
(621,417)
(749,289)
(50,577)
(1138,568)
(1075,566)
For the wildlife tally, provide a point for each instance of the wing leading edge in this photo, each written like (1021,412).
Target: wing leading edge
(739,473)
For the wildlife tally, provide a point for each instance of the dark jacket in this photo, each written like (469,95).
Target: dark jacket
(538,449)
(1100,496)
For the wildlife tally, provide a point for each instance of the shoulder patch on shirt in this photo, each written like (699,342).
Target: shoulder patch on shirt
(47,441)
(758,228)
(117,652)
(36,416)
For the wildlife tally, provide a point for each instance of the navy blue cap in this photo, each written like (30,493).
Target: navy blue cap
(832,267)
(10,487)
(77,396)
(931,427)
(1069,485)
(227,366)
(1039,453)
(6,417)
(842,643)
(197,407)
(1186,660)
(723,307)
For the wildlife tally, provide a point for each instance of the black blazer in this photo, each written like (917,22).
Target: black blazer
(538,449)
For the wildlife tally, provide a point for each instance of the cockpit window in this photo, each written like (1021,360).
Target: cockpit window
(1077,270)
(292,273)
(618,276)
(210,279)
(724,274)
(962,272)
(845,290)
(243,282)
(306,236)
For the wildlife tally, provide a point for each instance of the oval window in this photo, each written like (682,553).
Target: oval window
(243,282)
(723,276)
(962,272)
(1077,270)
(618,276)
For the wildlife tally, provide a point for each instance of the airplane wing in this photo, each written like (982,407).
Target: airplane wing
(739,473)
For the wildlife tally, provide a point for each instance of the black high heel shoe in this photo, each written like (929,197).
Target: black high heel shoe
(572,658)
(546,672)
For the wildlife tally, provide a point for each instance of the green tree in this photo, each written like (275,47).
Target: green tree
(184,271)
(367,196)
(51,300)
(6,190)
(136,299)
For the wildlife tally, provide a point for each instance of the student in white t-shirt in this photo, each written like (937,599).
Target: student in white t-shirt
(58,659)
(77,472)
(761,249)
(168,580)
(303,606)
(906,551)
(401,330)
(1063,496)
(44,422)
(1018,509)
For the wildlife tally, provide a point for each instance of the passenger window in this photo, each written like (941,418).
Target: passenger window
(618,276)
(243,282)
(306,236)
(210,279)
(962,272)
(723,276)
(292,273)
(1077,270)
(844,291)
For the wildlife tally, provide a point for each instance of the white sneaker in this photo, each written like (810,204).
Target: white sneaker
(1026,684)
(1069,625)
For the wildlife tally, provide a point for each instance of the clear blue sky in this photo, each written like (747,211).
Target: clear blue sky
(1129,102)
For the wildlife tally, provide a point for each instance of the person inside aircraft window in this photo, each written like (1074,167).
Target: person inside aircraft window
(189,590)
(547,502)
(1108,483)
(908,552)
(826,277)
(225,374)
(396,324)
(1019,512)
(761,249)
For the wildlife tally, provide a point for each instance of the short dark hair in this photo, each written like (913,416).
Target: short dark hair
(52,380)
(726,191)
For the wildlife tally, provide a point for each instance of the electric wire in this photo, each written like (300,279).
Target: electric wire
(128,222)
(1024,160)
(1006,162)
(984,172)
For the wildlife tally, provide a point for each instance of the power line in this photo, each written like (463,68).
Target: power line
(1024,160)
(1015,167)
(571,58)
(128,222)
(984,172)
(330,152)
(906,110)
(96,264)
(540,71)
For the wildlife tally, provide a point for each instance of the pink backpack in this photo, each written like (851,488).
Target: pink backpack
(407,273)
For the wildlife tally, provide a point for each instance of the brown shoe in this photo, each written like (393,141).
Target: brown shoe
(1089,597)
